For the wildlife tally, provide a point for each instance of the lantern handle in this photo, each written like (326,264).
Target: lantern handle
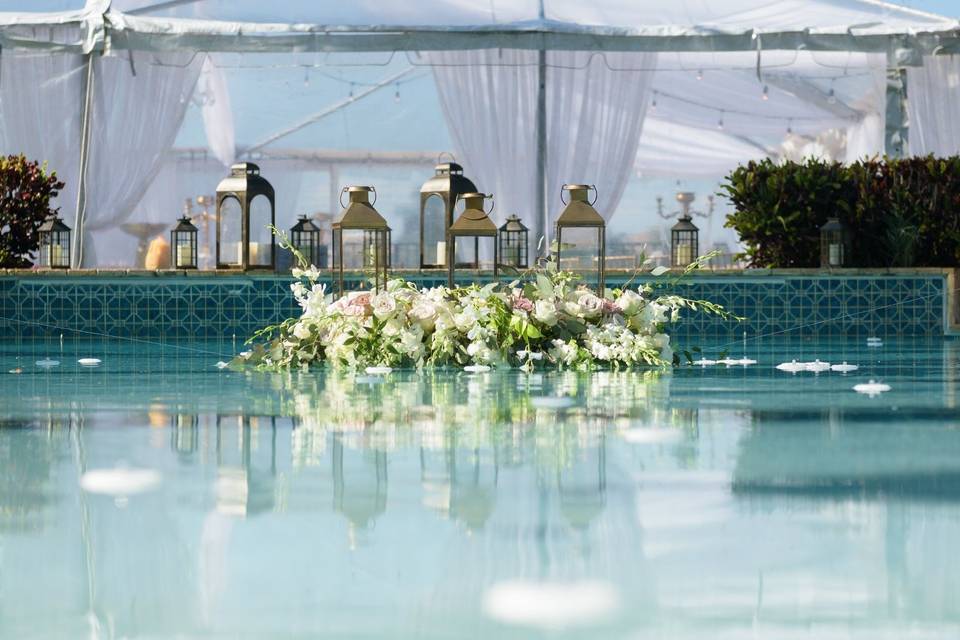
(562,189)
(342,191)
(596,194)
(492,204)
(440,155)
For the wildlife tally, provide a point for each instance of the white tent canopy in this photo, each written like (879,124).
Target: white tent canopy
(530,94)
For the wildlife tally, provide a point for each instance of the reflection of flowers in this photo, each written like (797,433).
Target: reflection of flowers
(404,326)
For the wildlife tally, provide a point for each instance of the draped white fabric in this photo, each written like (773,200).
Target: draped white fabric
(594,118)
(933,92)
(136,113)
(217,112)
(39,94)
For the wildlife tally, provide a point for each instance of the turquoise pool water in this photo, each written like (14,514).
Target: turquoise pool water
(158,496)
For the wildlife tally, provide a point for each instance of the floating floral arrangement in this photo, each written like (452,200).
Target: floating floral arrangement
(545,318)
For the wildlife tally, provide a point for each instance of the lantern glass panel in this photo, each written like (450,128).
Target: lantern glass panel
(435,231)
(513,248)
(55,250)
(579,251)
(231,231)
(684,248)
(184,249)
(261,238)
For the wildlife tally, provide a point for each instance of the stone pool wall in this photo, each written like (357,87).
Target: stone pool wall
(788,303)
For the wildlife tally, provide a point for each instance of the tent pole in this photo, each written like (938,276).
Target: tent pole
(896,134)
(78,221)
(541,226)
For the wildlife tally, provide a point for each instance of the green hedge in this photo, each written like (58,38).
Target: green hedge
(900,212)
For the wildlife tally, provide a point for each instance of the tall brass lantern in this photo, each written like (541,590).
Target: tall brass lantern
(514,243)
(474,223)
(245,213)
(438,197)
(363,226)
(581,235)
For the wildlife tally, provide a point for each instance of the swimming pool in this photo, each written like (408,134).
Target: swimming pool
(156,495)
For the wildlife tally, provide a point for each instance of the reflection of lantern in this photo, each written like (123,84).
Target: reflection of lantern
(684,242)
(185,433)
(246,464)
(360,221)
(54,244)
(305,238)
(581,235)
(514,243)
(245,213)
(359,484)
(438,196)
(183,245)
(473,224)
(583,485)
(834,244)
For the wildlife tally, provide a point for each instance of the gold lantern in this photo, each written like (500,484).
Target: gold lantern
(438,197)
(245,213)
(361,225)
(581,235)
(473,224)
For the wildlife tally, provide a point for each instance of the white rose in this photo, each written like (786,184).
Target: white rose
(590,305)
(384,306)
(424,313)
(545,312)
(629,302)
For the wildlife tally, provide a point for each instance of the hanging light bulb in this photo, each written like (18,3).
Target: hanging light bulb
(766,93)
(396,94)
(351,90)
(306,77)
(831,96)
(789,127)
(720,121)
(699,74)
(653,103)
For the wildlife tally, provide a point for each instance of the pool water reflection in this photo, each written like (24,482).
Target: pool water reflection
(156,496)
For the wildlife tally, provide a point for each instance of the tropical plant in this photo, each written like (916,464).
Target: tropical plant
(26,190)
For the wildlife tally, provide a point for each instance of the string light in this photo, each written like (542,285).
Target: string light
(699,74)
(351,90)
(789,127)
(831,96)
(653,103)
(766,93)
(396,94)
(720,122)
(306,77)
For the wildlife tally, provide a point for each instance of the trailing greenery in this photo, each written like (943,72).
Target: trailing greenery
(26,190)
(900,212)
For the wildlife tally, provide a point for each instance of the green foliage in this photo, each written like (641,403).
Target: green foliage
(900,212)
(26,190)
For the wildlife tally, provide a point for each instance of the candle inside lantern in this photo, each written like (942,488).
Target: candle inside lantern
(836,255)
(253,252)
(56,255)
(184,255)
(441,253)
(684,254)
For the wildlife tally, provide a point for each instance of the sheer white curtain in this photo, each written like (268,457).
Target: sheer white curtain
(596,105)
(40,93)
(933,105)
(136,113)
(217,112)
(865,138)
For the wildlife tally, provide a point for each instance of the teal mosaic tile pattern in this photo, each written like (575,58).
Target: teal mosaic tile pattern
(173,306)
